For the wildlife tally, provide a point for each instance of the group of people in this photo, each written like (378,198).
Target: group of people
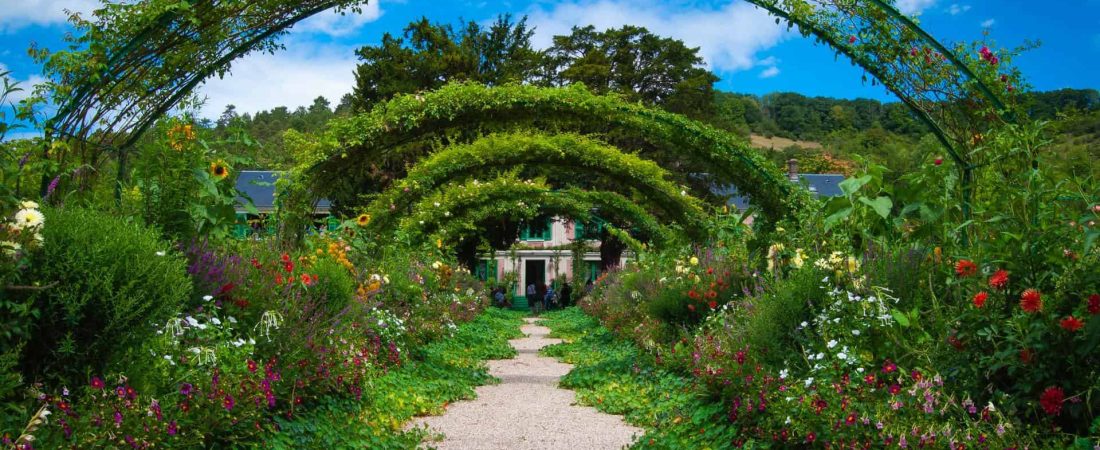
(544,298)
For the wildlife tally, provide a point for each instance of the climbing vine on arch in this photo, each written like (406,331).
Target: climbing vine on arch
(581,155)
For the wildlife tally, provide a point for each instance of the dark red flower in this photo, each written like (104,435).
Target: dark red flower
(938,161)
(693,294)
(851,419)
(228,402)
(1051,400)
(811,437)
(980,298)
(1094,304)
(965,268)
(691,307)
(895,389)
(1031,301)
(1071,323)
(999,279)
(889,366)
(712,304)
(851,39)
(1027,356)
(252,366)
(97,383)
(712,294)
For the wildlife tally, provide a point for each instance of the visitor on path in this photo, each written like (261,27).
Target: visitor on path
(533,299)
(498,297)
(548,300)
(566,291)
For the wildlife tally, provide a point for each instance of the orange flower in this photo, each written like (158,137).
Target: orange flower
(219,170)
(965,268)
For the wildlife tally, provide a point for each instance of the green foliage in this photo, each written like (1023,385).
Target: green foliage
(335,286)
(113,278)
(447,372)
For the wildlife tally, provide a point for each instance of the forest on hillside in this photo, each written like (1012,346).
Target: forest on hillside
(658,71)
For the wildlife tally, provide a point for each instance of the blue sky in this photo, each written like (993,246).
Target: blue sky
(740,43)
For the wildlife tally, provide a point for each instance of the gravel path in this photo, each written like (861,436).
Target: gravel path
(527,410)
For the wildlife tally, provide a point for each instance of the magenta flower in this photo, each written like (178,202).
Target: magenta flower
(172,428)
(97,383)
(228,402)
(186,389)
(118,418)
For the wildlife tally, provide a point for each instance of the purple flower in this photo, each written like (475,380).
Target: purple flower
(53,185)
(172,428)
(228,402)
(118,418)
(186,389)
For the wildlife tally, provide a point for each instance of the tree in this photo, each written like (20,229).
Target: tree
(636,63)
(429,55)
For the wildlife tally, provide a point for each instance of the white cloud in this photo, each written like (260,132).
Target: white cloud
(914,7)
(956,9)
(728,37)
(333,23)
(988,23)
(290,78)
(26,86)
(769,72)
(17,14)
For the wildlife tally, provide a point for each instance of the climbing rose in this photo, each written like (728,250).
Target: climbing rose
(1031,301)
(999,280)
(1051,400)
(965,268)
(1094,304)
(979,299)
(1072,323)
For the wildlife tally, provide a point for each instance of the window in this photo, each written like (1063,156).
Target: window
(536,230)
(589,230)
(487,270)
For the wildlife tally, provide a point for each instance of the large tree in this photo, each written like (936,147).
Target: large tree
(429,55)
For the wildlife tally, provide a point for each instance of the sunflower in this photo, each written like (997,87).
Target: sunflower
(363,219)
(219,170)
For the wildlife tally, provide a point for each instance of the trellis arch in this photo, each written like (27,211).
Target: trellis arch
(131,78)
(578,153)
(460,208)
(391,126)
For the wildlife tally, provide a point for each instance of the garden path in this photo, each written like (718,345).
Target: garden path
(528,410)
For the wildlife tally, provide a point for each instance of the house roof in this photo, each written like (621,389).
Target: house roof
(821,184)
(259,185)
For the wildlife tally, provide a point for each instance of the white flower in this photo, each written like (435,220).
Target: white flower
(215,321)
(208,297)
(803,324)
(831,343)
(231,319)
(191,321)
(27,204)
(28,219)
(39,238)
(859,369)
(168,357)
(819,356)
(436,204)
(855,332)
(251,341)
(783,374)
(161,253)
(809,381)
(194,350)
(9,247)
(842,355)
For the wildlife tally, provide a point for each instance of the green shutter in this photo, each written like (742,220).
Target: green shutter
(492,268)
(333,223)
(547,230)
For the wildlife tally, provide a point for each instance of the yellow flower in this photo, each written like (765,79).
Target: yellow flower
(363,219)
(219,170)
(853,264)
(439,243)
(694,261)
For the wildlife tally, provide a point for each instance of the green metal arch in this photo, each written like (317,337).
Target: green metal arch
(387,130)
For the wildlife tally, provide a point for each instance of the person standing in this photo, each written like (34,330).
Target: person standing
(566,291)
(548,299)
(533,298)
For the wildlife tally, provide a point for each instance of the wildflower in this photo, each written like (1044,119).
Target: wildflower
(694,261)
(831,343)
(1031,301)
(186,389)
(172,428)
(965,268)
(999,279)
(97,383)
(712,304)
(1051,400)
(252,366)
(28,204)
(362,220)
(895,389)
(28,219)
(219,170)
(1071,323)
(228,402)
(889,366)
(938,161)
(980,298)
(1094,304)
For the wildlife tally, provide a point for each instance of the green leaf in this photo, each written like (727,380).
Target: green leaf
(850,185)
(881,205)
(900,317)
(837,217)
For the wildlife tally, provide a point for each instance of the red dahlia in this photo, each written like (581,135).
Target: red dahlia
(1094,304)
(713,304)
(1031,301)
(999,280)
(965,268)
(980,298)
(1051,400)
(1072,323)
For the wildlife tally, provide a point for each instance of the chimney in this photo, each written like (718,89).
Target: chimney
(792,169)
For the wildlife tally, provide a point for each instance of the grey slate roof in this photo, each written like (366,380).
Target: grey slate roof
(821,184)
(259,185)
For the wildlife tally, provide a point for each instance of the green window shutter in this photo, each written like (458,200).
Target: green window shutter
(578,230)
(333,223)
(547,230)
(525,232)
(492,266)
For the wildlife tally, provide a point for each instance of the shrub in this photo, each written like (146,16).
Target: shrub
(113,278)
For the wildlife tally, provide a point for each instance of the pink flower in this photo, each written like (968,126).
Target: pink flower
(97,383)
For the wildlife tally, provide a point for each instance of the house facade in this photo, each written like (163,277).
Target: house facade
(543,254)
